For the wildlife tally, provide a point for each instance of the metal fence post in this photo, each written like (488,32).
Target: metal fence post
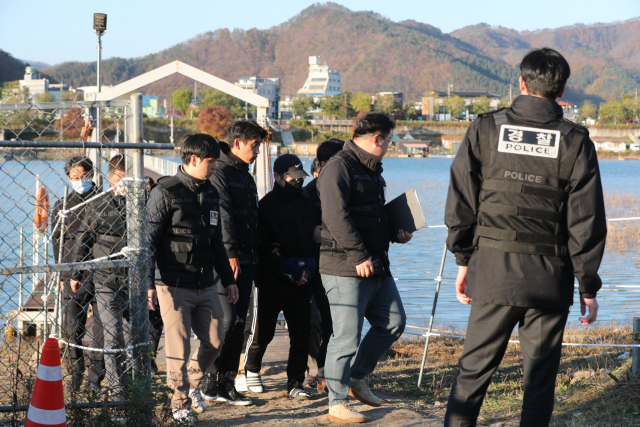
(635,367)
(137,240)
(95,153)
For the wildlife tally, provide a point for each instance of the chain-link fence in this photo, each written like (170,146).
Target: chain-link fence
(73,252)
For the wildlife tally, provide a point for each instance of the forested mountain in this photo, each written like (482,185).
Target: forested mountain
(376,54)
(604,58)
(10,68)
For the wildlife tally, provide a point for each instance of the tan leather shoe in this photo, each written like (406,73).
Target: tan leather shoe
(361,391)
(343,414)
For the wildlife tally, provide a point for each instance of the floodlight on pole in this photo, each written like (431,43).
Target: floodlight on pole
(100,23)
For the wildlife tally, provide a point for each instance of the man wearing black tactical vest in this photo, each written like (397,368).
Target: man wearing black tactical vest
(186,242)
(525,213)
(239,224)
(354,264)
(321,329)
(103,232)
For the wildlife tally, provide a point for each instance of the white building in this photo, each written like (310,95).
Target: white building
(322,80)
(269,88)
(36,86)
(610,143)
(90,92)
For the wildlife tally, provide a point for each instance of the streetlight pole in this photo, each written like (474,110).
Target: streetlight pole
(100,27)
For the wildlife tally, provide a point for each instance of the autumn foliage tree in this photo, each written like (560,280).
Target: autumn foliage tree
(72,123)
(215,121)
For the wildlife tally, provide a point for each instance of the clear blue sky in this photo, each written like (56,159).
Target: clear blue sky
(54,32)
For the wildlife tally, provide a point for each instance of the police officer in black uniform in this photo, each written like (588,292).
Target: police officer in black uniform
(103,232)
(525,213)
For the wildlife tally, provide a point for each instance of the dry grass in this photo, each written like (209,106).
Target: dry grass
(593,401)
(622,235)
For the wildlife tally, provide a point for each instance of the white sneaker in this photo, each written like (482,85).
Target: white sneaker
(241,384)
(254,382)
(183,415)
(197,402)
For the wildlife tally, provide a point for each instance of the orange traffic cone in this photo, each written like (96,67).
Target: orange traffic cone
(47,400)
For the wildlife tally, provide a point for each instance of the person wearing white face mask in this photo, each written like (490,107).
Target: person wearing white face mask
(79,171)
(103,232)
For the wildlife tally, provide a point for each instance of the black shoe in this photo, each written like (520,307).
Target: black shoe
(209,387)
(231,396)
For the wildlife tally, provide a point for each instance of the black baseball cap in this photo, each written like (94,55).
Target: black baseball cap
(291,165)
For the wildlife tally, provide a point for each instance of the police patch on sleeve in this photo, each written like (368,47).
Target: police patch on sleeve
(213,218)
(529,141)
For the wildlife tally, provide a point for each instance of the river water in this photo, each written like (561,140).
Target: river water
(414,265)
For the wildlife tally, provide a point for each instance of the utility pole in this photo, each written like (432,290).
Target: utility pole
(345,105)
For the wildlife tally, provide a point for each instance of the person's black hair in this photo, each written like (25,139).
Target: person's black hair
(81,161)
(374,123)
(245,130)
(545,72)
(315,166)
(201,145)
(150,181)
(116,163)
(327,149)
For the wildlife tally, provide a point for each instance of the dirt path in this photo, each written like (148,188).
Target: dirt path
(274,408)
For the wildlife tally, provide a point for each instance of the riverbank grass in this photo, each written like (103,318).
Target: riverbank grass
(594,386)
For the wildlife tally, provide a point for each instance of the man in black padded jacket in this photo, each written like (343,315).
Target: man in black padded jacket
(239,223)
(289,234)
(321,328)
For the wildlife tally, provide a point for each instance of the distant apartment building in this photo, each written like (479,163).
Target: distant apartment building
(35,85)
(433,103)
(267,87)
(322,80)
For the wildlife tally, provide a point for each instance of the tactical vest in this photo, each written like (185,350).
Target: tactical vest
(185,246)
(366,209)
(111,229)
(525,185)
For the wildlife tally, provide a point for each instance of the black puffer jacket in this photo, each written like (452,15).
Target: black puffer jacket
(160,220)
(287,222)
(355,225)
(102,232)
(71,225)
(238,207)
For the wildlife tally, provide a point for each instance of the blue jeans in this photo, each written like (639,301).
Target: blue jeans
(352,299)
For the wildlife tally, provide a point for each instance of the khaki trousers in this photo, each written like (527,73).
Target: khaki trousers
(184,310)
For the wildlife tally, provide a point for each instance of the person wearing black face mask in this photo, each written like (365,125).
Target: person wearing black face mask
(287,222)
